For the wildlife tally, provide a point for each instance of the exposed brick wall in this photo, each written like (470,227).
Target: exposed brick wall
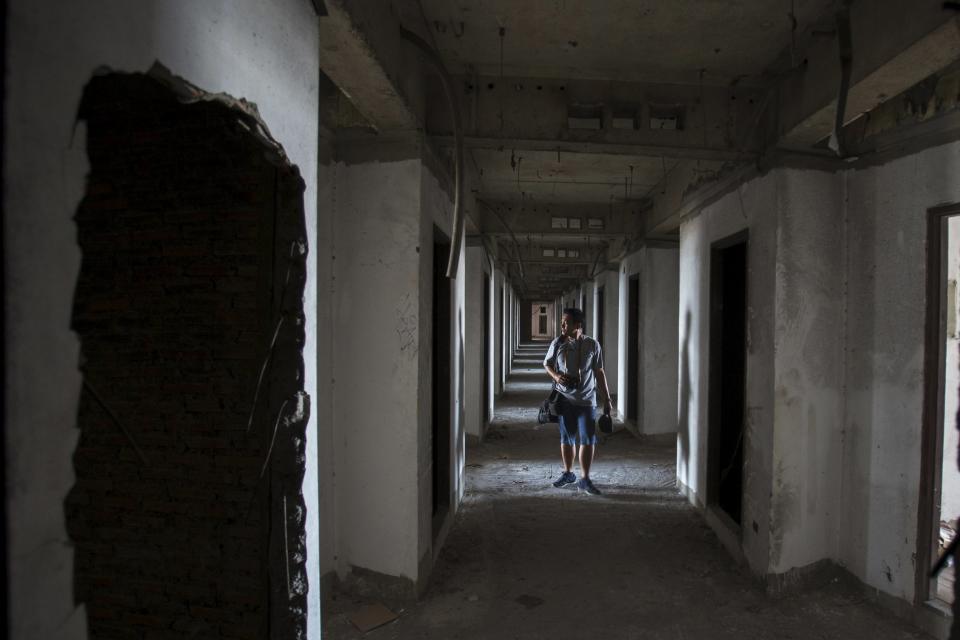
(186,231)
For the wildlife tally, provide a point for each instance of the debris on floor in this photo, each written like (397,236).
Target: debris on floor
(372,616)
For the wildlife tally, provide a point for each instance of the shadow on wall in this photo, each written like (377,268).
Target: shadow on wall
(683,415)
(187,514)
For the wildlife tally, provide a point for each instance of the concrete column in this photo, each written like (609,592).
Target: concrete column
(385,213)
(376,321)
(498,332)
(610,281)
(474,320)
(658,273)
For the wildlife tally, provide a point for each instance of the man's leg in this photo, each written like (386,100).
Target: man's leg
(566,451)
(588,448)
(566,454)
(586,459)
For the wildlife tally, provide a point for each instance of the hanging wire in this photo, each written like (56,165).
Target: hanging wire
(793,34)
(503,33)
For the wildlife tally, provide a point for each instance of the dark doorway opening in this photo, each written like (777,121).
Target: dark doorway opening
(600,319)
(486,386)
(441,379)
(727,396)
(633,348)
(189,311)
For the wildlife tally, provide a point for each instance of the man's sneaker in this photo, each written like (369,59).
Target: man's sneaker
(585,485)
(567,477)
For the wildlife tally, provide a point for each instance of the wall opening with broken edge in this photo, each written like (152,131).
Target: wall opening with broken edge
(189,307)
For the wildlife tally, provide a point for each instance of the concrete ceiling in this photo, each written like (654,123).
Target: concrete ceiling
(625,40)
(523,175)
(633,112)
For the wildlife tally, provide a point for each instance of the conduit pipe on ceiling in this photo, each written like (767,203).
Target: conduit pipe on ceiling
(431,54)
(845,45)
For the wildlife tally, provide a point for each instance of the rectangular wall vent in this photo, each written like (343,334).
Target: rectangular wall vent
(667,117)
(585,117)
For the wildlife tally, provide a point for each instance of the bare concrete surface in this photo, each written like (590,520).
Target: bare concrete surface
(527,561)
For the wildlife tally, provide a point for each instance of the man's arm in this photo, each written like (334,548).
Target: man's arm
(549,363)
(602,385)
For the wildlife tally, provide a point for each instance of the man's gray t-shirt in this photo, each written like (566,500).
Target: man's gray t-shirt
(576,357)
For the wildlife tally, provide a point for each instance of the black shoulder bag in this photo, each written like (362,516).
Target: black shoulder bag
(549,410)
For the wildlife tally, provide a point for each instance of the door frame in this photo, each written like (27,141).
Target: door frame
(714,371)
(934,374)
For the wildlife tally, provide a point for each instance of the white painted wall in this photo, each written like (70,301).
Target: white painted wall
(474,278)
(53,49)
(659,293)
(378,336)
(383,240)
(950,476)
(610,281)
(886,213)
(658,270)
(808,370)
(499,335)
(753,207)
(836,280)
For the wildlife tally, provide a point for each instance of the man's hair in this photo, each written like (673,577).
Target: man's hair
(576,315)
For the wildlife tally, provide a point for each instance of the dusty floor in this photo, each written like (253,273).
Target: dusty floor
(527,561)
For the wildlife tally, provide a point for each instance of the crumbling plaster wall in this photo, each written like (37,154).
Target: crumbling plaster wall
(836,312)
(886,266)
(386,201)
(808,369)
(53,49)
(753,207)
(436,207)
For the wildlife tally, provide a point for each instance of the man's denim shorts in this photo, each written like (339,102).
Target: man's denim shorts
(577,420)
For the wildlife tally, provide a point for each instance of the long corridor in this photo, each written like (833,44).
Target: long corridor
(527,561)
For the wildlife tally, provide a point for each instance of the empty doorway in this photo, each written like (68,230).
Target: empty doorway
(541,320)
(441,380)
(727,395)
(940,481)
(189,309)
(633,349)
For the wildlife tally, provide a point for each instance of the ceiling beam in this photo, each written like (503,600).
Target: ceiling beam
(362,53)
(537,220)
(895,45)
(591,142)
(631,118)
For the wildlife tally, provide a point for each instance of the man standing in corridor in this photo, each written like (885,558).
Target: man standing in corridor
(575,363)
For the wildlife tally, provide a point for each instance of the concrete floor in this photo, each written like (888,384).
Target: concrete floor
(527,561)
